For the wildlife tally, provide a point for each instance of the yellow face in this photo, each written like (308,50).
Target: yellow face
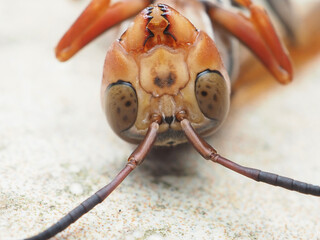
(163,65)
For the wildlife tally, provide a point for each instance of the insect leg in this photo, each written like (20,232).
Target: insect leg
(209,153)
(285,14)
(134,160)
(94,20)
(258,34)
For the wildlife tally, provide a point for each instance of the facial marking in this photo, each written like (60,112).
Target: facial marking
(166,81)
(163,72)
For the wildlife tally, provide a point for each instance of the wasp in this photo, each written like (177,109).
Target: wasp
(167,79)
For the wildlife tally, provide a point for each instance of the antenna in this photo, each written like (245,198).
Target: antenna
(209,153)
(134,160)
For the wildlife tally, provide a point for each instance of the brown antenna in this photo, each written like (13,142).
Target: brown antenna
(209,153)
(134,160)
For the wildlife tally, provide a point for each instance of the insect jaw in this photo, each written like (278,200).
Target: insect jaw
(158,24)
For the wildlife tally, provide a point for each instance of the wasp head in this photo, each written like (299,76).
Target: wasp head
(163,65)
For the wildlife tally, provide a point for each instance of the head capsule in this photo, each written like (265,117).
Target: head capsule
(162,65)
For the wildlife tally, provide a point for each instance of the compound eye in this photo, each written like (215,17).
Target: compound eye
(121,106)
(212,95)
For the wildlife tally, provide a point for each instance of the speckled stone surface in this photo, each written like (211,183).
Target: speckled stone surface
(56,149)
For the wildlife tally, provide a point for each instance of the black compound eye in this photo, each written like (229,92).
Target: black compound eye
(121,106)
(212,95)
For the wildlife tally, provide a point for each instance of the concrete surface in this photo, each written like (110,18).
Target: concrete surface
(56,148)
